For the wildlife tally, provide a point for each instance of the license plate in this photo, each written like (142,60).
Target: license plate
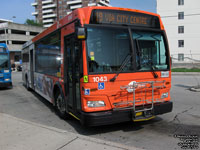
(138,114)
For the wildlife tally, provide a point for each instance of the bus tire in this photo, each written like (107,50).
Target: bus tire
(60,105)
(27,84)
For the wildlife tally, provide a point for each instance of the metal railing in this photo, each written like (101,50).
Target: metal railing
(143,96)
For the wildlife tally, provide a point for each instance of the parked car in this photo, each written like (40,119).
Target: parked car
(19,68)
(13,67)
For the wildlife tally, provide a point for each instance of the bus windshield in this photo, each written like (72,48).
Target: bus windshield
(107,49)
(4,61)
(151,53)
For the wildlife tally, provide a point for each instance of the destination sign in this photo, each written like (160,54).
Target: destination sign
(124,17)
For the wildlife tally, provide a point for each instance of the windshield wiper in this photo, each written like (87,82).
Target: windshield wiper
(124,63)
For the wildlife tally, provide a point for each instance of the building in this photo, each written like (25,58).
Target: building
(15,35)
(181,19)
(49,11)
(5,20)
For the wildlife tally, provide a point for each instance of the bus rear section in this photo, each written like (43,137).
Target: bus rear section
(102,65)
(5,68)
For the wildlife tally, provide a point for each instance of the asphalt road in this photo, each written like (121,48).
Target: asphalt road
(159,133)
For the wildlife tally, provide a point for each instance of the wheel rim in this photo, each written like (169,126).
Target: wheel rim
(60,104)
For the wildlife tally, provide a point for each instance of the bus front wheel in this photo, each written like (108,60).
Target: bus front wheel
(60,105)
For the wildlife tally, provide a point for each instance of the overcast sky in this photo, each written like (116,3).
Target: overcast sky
(20,10)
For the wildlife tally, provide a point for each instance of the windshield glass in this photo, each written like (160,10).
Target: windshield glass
(4,61)
(151,53)
(107,49)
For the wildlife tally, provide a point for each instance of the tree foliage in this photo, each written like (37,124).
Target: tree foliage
(33,23)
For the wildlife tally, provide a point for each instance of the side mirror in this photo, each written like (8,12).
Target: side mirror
(81,33)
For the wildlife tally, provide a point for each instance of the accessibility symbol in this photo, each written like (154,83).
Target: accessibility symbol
(87,91)
(101,86)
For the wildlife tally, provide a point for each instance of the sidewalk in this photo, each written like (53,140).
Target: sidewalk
(18,134)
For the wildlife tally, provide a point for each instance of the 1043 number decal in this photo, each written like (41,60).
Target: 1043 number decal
(100,79)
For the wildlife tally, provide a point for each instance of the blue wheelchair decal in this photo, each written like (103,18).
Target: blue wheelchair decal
(87,91)
(101,86)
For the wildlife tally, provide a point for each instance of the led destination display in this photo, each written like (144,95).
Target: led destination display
(124,17)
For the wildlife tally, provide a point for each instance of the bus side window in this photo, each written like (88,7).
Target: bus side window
(79,58)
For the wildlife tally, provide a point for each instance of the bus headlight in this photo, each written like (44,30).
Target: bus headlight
(96,103)
(7,79)
(6,71)
(164,95)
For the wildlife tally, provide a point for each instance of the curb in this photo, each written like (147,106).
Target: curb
(195,89)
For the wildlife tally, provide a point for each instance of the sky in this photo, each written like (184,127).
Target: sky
(20,10)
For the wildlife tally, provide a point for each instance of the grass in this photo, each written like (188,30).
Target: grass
(185,70)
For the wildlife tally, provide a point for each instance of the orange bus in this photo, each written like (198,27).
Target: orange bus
(102,65)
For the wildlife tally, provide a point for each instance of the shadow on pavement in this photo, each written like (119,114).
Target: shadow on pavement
(83,130)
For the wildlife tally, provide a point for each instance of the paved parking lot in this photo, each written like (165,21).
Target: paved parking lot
(159,133)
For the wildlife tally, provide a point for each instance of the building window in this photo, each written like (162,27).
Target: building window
(180,43)
(180,2)
(180,57)
(180,29)
(181,15)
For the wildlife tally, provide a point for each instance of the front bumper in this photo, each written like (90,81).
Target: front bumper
(5,84)
(112,117)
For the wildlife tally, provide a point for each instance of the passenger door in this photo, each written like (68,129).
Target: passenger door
(72,73)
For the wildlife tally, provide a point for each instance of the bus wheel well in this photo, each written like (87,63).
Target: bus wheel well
(55,90)
(27,82)
(59,102)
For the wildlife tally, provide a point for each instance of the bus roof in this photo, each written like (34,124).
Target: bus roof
(3,48)
(84,15)
(3,45)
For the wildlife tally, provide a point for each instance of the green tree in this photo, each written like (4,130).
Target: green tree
(33,22)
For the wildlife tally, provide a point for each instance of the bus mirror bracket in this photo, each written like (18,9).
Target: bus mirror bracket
(81,33)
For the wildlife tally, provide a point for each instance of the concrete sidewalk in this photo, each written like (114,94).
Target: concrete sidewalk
(18,134)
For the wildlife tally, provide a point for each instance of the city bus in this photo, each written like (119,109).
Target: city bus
(5,67)
(102,65)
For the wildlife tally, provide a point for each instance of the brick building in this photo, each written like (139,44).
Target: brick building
(49,11)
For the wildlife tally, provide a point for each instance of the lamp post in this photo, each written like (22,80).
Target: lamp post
(13,17)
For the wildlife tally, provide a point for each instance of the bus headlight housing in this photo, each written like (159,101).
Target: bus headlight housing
(96,104)
(7,79)
(6,71)
(164,95)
